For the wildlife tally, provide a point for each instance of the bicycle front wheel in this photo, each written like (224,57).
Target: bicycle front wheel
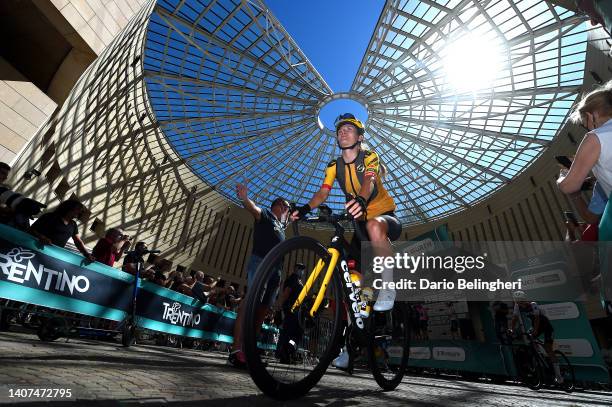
(287,359)
(531,371)
(389,345)
(567,371)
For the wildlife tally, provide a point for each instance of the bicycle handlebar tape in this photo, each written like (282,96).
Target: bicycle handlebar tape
(303,211)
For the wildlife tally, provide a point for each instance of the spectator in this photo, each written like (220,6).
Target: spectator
(500,316)
(454,321)
(200,289)
(58,226)
(599,11)
(180,283)
(134,258)
(423,321)
(269,230)
(15,209)
(159,278)
(160,275)
(111,247)
(415,322)
(217,294)
(290,331)
(5,170)
(5,211)
(591,213)
(595,151)
(231,299)
(177,280)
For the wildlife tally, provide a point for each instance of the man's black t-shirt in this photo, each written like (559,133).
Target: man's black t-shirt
(268,232)
(132,257)
(295,285)
(53,227)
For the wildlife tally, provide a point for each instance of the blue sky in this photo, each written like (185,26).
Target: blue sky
(334,35)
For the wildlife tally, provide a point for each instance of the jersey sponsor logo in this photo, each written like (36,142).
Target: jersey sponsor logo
(360,168)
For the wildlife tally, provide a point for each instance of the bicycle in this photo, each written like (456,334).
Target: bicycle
(385,336)
(535,369)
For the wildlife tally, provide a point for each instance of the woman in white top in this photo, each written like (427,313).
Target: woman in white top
(594,112)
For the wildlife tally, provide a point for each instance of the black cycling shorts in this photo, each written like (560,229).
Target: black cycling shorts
(394,226)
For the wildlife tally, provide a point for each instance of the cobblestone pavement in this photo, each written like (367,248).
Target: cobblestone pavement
(102,373)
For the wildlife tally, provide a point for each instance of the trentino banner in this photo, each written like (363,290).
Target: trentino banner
(56,278)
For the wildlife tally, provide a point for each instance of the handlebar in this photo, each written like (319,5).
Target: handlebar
(335,220)
(529,336)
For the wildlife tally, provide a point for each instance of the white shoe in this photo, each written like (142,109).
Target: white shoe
(385,300)
(342,361)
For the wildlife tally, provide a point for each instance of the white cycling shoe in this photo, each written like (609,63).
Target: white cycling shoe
(385,300)
(342,361)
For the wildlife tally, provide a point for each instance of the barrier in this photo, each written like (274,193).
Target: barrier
(56,278)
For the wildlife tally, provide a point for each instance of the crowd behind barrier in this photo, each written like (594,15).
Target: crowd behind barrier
(55,278)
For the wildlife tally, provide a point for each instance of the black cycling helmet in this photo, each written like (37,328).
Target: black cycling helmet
(350,119)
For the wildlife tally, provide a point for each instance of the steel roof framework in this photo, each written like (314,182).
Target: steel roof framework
(239,101)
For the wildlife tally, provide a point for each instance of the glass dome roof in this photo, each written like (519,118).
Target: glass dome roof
(461,97)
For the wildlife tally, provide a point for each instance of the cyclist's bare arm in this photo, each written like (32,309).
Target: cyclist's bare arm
(318,198)
(367,187)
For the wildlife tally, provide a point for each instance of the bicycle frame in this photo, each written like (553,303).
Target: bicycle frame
(351,292)
(335,255)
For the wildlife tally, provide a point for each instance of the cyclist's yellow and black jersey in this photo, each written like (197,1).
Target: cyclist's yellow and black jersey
(366,163)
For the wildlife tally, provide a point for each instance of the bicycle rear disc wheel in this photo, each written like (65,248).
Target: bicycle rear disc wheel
(567,371)
(286,360)
(389,345)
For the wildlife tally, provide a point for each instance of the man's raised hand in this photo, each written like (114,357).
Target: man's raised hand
(242,192)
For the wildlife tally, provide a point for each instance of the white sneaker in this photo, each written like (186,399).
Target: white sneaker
(342,361)
(385,300)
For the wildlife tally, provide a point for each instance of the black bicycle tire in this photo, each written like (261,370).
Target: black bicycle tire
(262,378)
(534,358)
(565,386)
(384,383)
